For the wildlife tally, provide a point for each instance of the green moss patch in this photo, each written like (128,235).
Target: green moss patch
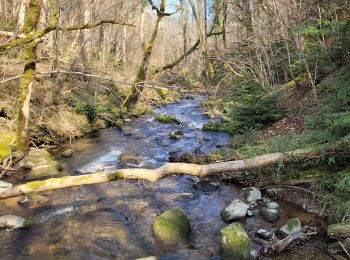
(6,138)
(165,119)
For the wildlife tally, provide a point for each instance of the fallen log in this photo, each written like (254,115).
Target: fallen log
(146,174)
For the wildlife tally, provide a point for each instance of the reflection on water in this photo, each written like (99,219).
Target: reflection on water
(114,220)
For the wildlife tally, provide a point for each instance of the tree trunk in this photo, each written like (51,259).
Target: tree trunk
(209,67)
(22,14)
(184,20)
(141,74)
(146,174)
(224,21)
(27,81)
(87,35)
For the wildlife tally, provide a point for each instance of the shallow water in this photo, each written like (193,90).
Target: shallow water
(114,220)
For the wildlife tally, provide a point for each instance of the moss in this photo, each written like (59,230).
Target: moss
(172,226)
(163,92)
(341,230)
(35,185)
(176,135)
(29,222)
(115,176)
(212,127)
(67,153)
(165,119)
(6,138)
(235,243)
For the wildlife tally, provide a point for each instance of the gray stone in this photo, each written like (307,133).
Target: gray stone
(252,194)
(250,213)
(11,222)
(270,212)
(292,226)
(235,211)
(264,234)
(235,243)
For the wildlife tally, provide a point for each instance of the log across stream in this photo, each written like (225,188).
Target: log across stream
(113,219)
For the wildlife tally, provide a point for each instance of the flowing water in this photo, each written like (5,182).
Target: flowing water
(114,220)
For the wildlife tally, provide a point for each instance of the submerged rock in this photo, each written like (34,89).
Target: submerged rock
(30,200)
(67,153)
(11,222)
(206,185)
(270,212)
(339,231)
(131,158)
(235,211)
(292,226)
(235,243)
(172,226)
(40,163)
(252,194)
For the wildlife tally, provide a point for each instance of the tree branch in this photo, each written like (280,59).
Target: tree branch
(176,62)
(159,12)
(25,39)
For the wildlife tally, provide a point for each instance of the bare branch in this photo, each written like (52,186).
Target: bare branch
(52,27)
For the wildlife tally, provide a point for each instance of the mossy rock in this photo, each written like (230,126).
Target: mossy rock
(176,135)
(235,243)
(292,226)
(141,109)
(172,226)
(163,92)
(339,231)
(41,164)
(6,138)
(165,119)
(67,153)
(212,127)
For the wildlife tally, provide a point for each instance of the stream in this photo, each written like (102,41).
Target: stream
(114,220)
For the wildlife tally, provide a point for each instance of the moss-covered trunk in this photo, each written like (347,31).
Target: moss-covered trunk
(141,74)
(27,81)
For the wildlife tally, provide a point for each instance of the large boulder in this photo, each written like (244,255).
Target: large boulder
(339,231)
(40,163)
(172,226)
(235,211)
(252,194)
(235,243)
(292,226)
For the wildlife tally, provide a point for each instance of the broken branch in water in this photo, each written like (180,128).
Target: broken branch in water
(281,245)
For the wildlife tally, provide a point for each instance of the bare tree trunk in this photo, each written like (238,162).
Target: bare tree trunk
(87,35)
(224,21)
(146,174)
(184,20)
(22,14)
(209,67)
(27,81)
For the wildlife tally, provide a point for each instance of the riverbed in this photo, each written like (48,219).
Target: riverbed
(114,220)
